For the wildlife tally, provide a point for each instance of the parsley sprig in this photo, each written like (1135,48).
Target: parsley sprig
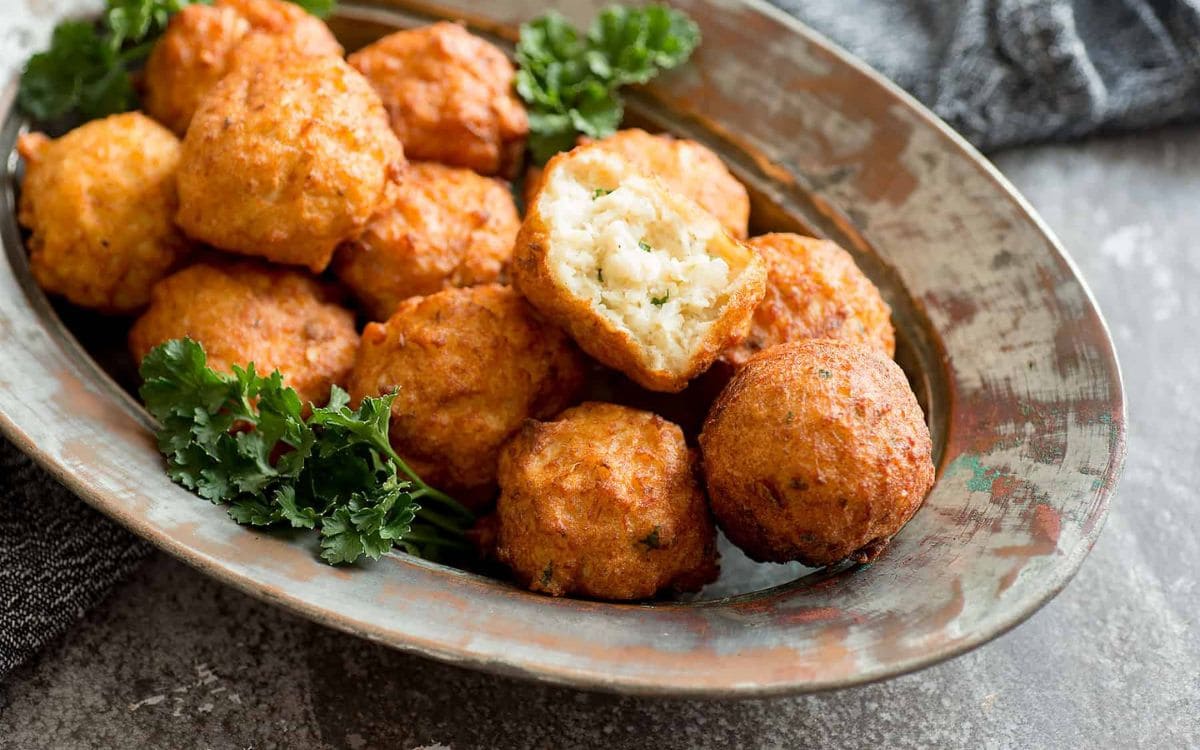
(570,81)
(87,69)
(242,440)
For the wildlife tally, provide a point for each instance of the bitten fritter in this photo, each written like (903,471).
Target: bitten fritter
(604,502)
(814,291)
(438,227)
(816,451)
(285,159)
(450,96)
(645,280)
(195,50)
(468,367)
(246,312)
(99,203)
(685,166)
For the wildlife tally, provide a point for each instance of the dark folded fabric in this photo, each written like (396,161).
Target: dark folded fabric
(1002,72)
(58,557)
(1007,72)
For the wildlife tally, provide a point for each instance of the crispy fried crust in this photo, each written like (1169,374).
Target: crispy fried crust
(195,50)
(469,366)
(816,451)
(814,291)
(247,312)
(604,502)
(450,97)
(99,202)
(600,337)
(285,159)
(439,227)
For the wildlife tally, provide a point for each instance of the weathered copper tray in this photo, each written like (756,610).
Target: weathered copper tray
(1000,337)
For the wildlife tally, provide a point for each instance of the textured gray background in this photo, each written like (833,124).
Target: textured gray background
(176,660)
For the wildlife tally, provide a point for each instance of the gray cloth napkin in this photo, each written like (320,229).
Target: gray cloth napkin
(1000,71)
(58,557)
(1006,72)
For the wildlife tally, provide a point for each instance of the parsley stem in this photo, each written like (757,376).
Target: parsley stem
(425,490)
(437,519)
(136,53)
(434,540)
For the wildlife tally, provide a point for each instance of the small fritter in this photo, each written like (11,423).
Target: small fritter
(450,96)
(645,280)
(814,291)
(195,50)
(685,166)
(99,203)
(438,227)
(817,451)
(468,367)
(604,502)
(247,312)
(285,159)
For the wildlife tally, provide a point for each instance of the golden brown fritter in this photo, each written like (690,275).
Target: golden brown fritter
(644,279)
(469,366)
(604,502)
(816,451)
(195,50)
(99,203)
(685,166)
(249,312)
(450,97)
(438,227)
(814,291)
(285,159)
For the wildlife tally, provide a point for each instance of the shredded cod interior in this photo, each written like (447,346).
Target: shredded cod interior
(644,258)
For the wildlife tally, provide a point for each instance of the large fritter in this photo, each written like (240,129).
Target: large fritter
(468,366)
(198,46)
(286,158)
(814,291)
(438,227)
(99,203)
(644,279)
(816,451)
(450,97)
(604,502)
(245,312)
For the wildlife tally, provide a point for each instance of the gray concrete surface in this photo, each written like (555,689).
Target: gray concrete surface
(176,660)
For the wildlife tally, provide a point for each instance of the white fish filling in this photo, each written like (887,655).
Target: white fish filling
(640,258)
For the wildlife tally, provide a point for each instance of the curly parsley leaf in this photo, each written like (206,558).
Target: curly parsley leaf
(242,439)
(86,69)
(318,8)
(79,72)
(570,81)
(135,21)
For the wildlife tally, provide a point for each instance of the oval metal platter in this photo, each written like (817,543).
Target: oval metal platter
(1000,337)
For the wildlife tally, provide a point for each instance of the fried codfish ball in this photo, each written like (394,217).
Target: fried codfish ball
(468,367)
(644,279)
(814,291)
(196,49)
(286,159)
(816,451)
(246,312)
(99,203)
(450,97)
(438,227)
(687,167)
(604,502)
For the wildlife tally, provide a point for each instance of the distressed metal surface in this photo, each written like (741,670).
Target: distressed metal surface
(1017,369)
